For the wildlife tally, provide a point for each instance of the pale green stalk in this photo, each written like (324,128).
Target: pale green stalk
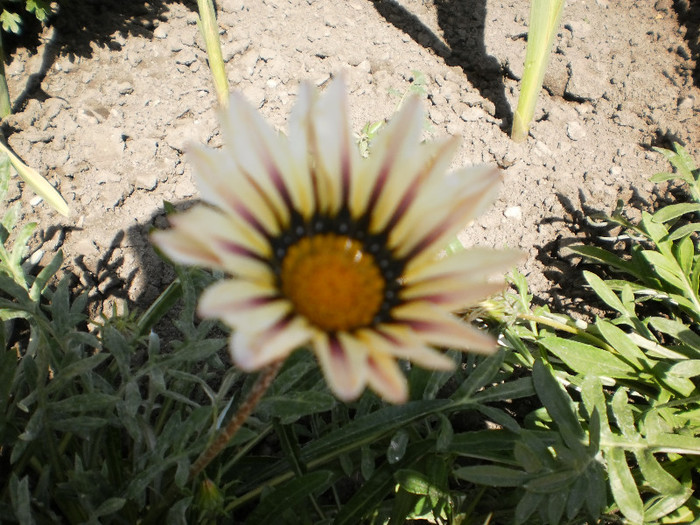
(544,22)
(5,107)
(38,183)
(210,32)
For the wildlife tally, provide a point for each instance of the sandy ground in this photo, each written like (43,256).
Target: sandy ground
(112,90)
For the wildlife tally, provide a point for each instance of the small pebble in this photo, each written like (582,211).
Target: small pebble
(514,212)
(575,131)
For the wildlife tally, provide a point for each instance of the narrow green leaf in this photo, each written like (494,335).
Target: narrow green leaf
(397,446)
(516,389)
(528,504)
(379,486)
(677,330)
(482,375)
(623,486)
(623,413)
(544,21)
(492,475)
(552,482)
(109,506)
(673,211)
(588,360)
(80,367)
(559,406)
(21,499)
(684,231)
(687,368)
(605,257)
(492,445)
(292,406)
(685,251)
(289,495)
(604,292)
(93,401)
(39,184)
(623,344)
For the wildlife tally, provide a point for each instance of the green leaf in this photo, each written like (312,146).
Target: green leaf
(688,368)
(559,406)
(516,389)
(83,403)
(605,257)
(492,475)
(677,330)
(623,486)
(673,211)
(492,445)
(109,506)
(397,446)
(21,499)
(379,486)
(684,231)
(623,344)
(480,376)
(11,22)
(528,504)
(294,405)
(289,495)
(685,251)
(604,292)
(80,367)
(588,360)
(623,413)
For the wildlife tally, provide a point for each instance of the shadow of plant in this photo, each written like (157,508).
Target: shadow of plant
(462,23)
(81,26)
(688,12)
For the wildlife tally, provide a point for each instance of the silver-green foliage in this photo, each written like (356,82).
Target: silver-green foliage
(629,414)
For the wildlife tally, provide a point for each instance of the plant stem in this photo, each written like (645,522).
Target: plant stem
(210,32)
(5,107)
(155,515)
(259,388)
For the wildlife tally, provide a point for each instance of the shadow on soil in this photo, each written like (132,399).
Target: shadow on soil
(78,27)
(462,23)
(688,12)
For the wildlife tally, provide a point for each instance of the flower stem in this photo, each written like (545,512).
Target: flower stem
(259,388)
(155,515)
(210,32)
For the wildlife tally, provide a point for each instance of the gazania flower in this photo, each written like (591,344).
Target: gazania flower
(335,252)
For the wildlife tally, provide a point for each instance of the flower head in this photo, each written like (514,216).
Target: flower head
(340,253)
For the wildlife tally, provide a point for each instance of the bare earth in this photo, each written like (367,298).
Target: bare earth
(112,91)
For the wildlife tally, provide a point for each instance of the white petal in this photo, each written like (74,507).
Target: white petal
(439,328)
(344,363)
(300,140)
(261,154)
(450,294)
(333,147)
(243,304)
(473,264)
(401,343)
(254,350)
(441,210)
(219,239)
(386,378)
(222,184)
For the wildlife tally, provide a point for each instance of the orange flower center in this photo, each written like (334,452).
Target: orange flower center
(332,282)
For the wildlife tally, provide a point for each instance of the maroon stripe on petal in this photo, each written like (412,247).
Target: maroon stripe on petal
(249,217)
(237,249)
(272,169)
(381,180)
(431,237)
(337,350)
